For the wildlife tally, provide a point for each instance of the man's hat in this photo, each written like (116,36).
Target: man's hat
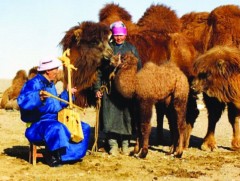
(48,64)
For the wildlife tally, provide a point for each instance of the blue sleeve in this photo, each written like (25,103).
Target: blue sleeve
(29,98)
(64,96)
(32,108)
(29,101)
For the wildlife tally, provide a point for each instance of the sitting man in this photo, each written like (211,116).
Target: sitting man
(42,111)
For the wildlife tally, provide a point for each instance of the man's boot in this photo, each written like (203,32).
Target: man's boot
(113,147)
(125,144)
(53,159)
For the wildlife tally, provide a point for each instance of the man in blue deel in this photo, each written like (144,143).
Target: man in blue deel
(42,111)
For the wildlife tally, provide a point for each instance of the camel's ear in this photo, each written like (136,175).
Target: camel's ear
(78,34)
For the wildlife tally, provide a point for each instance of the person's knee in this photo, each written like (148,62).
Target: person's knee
(56,125)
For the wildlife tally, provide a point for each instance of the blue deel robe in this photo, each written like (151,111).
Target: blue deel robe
(43,115)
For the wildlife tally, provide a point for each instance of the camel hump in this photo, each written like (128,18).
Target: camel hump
(160,18)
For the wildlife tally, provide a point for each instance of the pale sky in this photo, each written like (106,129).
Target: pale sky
(32,29)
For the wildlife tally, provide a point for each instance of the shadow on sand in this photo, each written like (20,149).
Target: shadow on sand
(17,151)
(22,152)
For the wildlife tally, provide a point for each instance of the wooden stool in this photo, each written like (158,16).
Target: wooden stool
(34,152)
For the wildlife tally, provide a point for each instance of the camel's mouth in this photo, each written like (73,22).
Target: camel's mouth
(108,52)
(115,60)
(106,57)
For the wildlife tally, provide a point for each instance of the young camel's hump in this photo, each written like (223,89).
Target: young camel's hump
(158,82)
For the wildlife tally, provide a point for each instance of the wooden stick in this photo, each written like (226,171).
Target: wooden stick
(55,97)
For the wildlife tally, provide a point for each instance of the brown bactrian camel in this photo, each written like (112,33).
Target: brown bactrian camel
(150,86)
(9,98)
(88,44)
(218,76)
(207,30)
(158,38)
(149,33)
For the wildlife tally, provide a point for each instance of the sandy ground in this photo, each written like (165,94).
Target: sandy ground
(222,164)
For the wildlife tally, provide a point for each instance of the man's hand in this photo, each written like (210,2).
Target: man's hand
(99,94)
(73,90)
(43,95)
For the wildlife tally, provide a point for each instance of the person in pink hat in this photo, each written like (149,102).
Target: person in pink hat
(41,111)
(115,113)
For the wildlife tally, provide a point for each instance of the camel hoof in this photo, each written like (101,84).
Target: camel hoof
(178,155)
(168,153)
(143,153)
(185,148)
(236,144)
(132,153)
(136,156)
(235,148)
(208,147)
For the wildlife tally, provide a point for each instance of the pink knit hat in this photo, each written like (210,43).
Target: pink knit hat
(48,64)
(118,28)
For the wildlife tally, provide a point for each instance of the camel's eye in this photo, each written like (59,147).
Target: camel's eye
(202,75)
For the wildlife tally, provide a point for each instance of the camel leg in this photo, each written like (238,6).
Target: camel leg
(191,116)
(136,147)
(187,135)
(215,109)
(172,121)
(160,111)
(181,124)
(177,122)
(135,110)
(145,118)
(234,119)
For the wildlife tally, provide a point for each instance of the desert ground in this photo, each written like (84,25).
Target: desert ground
(195,164)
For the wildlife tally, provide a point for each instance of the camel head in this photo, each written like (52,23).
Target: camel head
(124,61)
(88,44)
(125,78)
(218,73)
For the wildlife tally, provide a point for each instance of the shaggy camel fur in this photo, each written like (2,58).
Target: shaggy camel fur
(32,72)
(149,34)
(150,87)
(207,30)
(219,27)
(225,24)
(88,44)
(9,98)
(218,76)
(195,27)
(112,12)
(157,38)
